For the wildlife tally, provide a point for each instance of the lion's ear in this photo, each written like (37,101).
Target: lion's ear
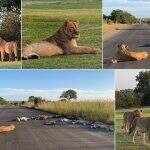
(66,22)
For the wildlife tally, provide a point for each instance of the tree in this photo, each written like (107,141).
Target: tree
(2,101)
(143,87)
(127,98)
(37,100)
(69,94)
(10,27)
(120,16)
(31,99)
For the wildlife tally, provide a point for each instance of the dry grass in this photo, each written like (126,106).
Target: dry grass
(112,27)
(102,111)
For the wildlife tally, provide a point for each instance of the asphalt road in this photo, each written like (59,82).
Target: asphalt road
(137,37)
(33,135)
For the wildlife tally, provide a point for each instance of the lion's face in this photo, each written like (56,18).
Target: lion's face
(123,47)
(138,113)
(72,29)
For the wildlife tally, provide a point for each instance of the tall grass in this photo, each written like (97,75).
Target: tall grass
(102,111)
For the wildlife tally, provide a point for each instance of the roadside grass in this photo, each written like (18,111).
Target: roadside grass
(43,19)
(112,27)
(10,65)
(123,142)
(102,111)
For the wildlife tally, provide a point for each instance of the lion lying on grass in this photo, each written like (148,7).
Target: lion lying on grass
(9,48)
(123,54)
(7,128)
(64,41)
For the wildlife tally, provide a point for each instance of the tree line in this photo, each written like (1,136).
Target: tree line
(139,96)
(120,16)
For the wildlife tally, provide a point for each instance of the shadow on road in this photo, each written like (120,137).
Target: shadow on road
(145,45)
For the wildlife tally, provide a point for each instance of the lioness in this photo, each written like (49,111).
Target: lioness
(128,117)
(9,48)
(64,41)
(123,54)
(7,128)
(141,124)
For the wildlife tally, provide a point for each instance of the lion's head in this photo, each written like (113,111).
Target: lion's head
(123,47)
(138,113)
(72,29)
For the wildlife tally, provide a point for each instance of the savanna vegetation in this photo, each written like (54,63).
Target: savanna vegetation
(43,19)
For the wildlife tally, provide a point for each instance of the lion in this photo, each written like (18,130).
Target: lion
(123,54)
(64,41)
(9,48)
(129,116)
(142,125)
(8,128)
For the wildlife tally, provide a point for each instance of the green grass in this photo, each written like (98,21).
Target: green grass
(89,110)
(121,140)
(41,20)
(10,65)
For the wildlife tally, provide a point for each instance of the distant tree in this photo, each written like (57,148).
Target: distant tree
(37,100)
(23,102)
(120,16)
(143,87)
(69,94)
(31,99)
(2,101)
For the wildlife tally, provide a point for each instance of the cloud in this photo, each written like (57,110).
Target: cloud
(23,94)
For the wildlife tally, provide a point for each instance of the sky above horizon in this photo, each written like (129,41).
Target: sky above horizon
(125,78)
(139,8)
(20,84)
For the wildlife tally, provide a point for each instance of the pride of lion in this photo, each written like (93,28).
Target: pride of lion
(134,123)
(8,48)
(124,54)
(64,41)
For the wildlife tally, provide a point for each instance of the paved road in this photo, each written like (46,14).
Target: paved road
(33,135)
(137,37)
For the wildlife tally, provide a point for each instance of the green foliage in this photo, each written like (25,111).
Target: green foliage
(2,101)
(120,16)
(143,87)
(127,98)
(69,94)
(11,4)
(35,100)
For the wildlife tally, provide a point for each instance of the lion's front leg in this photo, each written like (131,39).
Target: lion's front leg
(2,56)
(82,50)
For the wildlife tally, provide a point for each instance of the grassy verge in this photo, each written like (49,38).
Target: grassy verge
(10,65)
(44,19)
(102,111)
(124,143)
(112,27)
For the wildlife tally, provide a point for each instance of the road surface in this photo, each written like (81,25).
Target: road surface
(137,37)
(33,135)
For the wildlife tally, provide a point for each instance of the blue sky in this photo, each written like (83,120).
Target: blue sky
(139,8)
(20,84)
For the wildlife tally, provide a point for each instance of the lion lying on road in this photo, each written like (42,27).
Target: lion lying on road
(9,48)
(64,41)
(7,128)
(123,54)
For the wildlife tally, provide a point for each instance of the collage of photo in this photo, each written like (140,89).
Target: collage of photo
(74,75)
